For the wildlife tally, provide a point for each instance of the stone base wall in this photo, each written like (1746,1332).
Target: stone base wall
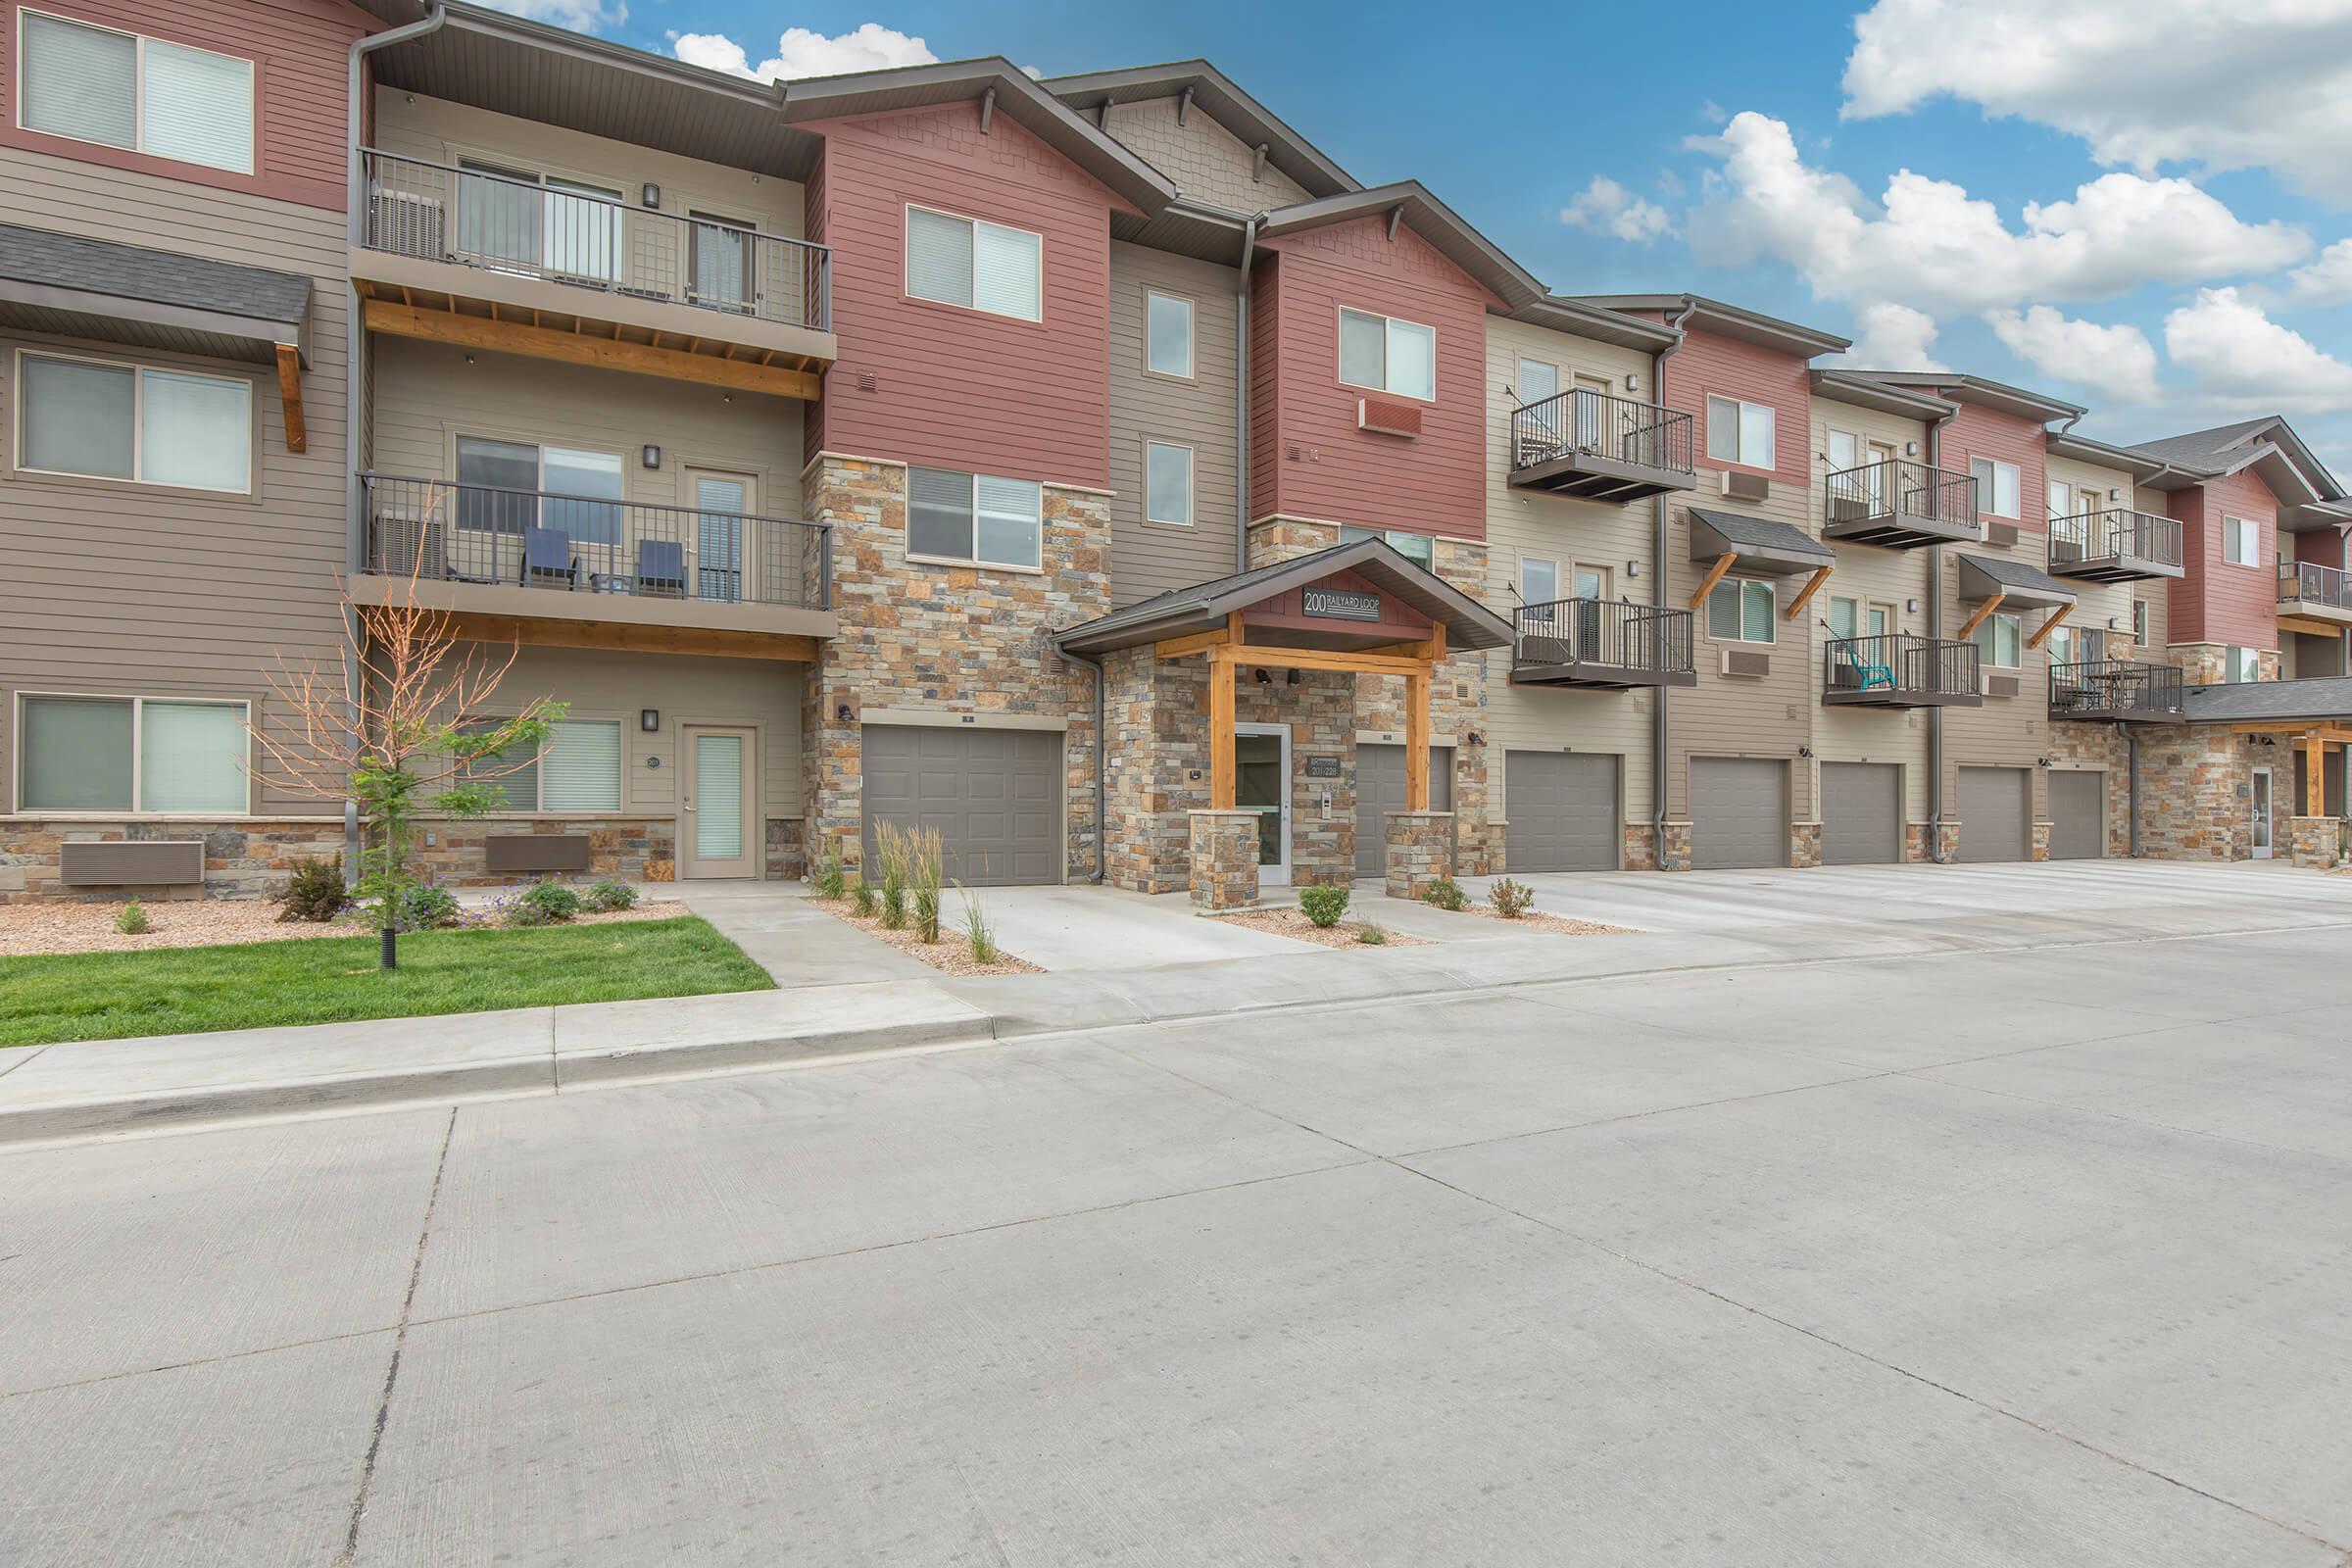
(629,848)
(248,858)
(1919,843)
(2038,849)
(2316,841)
(785,860)
(2207,664)
(1420,852)
(1677,854)
(1223,852)
(1641,850)
(2196,789)
(1804,845)
(1278,539)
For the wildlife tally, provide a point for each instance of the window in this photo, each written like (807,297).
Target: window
(2062,500)
(132,753)
(1996,641)
(138,423)
(501,484)
(1739,610)
(1996,486)
(1845,618)
(144,95)
(2140,622)
(1417,548)
(975,517)
(1592,582)
(1387,355)
(983,266)
(514,772)
(1167,483)
(576,769)
(1167,334)
(2241,542)
(1742,432)
(1539,580)
(2241,666)
(1538,381)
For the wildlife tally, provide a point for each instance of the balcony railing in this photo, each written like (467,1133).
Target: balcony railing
(2114,688)
(2114,545)
(1588,443)
(566,232)
(1900,670)
(485,534)
(1900,504)
(1601,642)
(2313,587)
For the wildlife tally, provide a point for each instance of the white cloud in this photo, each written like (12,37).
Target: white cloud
(801,52)
(2117,363)
(581,16)
(2326,280)
(2246,362)
(1605,206)
(1930,245)
(1893,337)
(2252,83)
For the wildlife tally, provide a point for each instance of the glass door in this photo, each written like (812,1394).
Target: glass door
(716,802)
(1261,783)
(721,501)
(2258,801)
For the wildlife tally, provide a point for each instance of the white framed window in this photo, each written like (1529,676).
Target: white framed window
(1167,483)
(1996,486)
(1417,548)
(2241,542)
(1167,334)
(1537,381)
(1845,618)
(1739,610)
(147,754)
(1539,580)
(146,424)
(2140,622)
(141,94)
(2241,666)
(1746,433)
(974,517)
(1998,640)
(1591,582)
(522,220)
(1385,355)
(979,265)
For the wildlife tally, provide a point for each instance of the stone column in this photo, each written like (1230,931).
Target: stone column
(1804,845)
(1674,853)
(2316,841)
(1420,851)
(2040,846)
(1224,871)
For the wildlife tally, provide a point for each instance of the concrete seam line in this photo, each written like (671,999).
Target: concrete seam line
(18,1057)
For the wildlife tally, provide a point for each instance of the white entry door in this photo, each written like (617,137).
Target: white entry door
(717,835)
(1261,783)
(2259,802)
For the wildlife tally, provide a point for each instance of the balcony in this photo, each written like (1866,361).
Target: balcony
(1899,671)
(585,572)
(2114,545)
(1899,505)
(485,260)
(1593,447)
(2320,595)
(2117,689)
(1601,644)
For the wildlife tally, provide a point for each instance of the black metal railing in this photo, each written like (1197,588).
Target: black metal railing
(2114,685)
(1608,632)
(1597,424)
(1898,665)
(566,232)
(1898,487)
(471,533)
(2329,587)
(2115,533)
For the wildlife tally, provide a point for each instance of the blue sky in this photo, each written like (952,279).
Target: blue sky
(2138,219)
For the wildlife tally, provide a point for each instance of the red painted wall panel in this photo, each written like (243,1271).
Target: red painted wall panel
(299,49)
(1265,382)
(1287,610)
(952,387)
(1977,431)
(2322,547)
(1726,367)
(2215,602)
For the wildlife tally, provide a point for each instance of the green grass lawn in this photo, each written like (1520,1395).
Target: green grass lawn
(106,995)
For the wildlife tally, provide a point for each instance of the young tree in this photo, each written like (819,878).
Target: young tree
(397,730)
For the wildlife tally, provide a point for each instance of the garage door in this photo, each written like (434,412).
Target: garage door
(994,795)
(1562,812)
(1993,801)
(1738,812)
(1379,790)
(1861,814)
(2077,816)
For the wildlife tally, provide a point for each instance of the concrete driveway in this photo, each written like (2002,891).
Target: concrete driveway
(2027,1257)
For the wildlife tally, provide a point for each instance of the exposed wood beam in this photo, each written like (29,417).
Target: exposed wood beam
(2332,734)
(554,632)
(1722,563)
(1396,217)
(1220,732)
(1234,631)
(2315,775)
(1804,595)
(1984,613)
(572,348)
(988,109)
(1322,658)
(2310,626)
(2051,625)
(1200,642)
(1416,741)
(1432,647)
(1257,163)
(1184,107)
(289,393)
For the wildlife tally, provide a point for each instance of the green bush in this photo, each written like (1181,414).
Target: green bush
(133,921)
(424,906)
(1510,898)
(831,879)
(1323,904)
(1372,934)
(978,935)
(552,900)
(608,897)
(1447,894)
(315,893)
(861,895)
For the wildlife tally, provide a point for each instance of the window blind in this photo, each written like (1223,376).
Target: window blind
(1412,360)
(938,513)
(195,431)
(1363,349)
(513,773)
(1538,381)
(1010,522)
(199,107)
(192,757)
(81,81)
(1756,435)
(75,754)
(579,769)
(718,797)
(1756,612)
(1005,263)
(939,257)
(77,417)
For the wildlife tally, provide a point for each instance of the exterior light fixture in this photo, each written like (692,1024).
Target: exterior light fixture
(1633,382)
(1264,679)
(1633,569)
(1474,738)
(1910,606)
(2041,762)
(653,457)
(1910,449)
(841,712)
(653,195)
(1291,679)
(649,720)
(1805,752)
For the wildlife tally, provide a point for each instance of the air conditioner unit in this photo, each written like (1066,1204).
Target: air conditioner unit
(1746,664)
(405,224)
(1388,416)
(2000,533)
(2001,685)
(1744,486)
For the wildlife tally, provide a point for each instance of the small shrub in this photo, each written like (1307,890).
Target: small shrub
(978,935)
(315,893)
(523,914)
(926,866)
(861,896)
(1447,894)
(133,921)
(608,897)
(831,879)
(1323,904)
(1510,898)
(1372,934)
(553,900)
(891,845)
(424,907)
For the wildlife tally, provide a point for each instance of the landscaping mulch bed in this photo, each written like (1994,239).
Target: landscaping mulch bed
(27,929)
(1538,920)
(949,954)
(1295,923)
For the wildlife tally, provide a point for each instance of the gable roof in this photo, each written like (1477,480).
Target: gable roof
(1729,320)
(1216,95)
(1979,389)
(2309,495)
(1431,218)
(1861,388)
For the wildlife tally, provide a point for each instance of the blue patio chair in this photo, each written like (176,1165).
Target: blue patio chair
(661,568)
(1872,677)
(547,559)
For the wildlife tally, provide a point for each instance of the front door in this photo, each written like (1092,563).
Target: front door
(1261,783)
(716,789)
(2259,802)
(721,501)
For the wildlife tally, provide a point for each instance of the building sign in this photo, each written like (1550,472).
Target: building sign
(1340,604)
(1322,767)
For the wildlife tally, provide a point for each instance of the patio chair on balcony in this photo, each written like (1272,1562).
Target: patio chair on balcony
(660,568)
(548,560)
(1868,677)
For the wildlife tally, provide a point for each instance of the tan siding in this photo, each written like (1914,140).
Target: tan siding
(2100,601)
(1151,557)
(1206,161)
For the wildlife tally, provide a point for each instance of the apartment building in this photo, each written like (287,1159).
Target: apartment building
(1090,468)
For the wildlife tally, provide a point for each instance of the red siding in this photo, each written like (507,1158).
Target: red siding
(952,387)
(1309,459)
(2322,547)
(2215,602)
(1727,368)
(1977,431)
(299,49)
(1287,610)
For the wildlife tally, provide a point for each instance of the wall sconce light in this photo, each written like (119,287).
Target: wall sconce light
(1805,752)
(841,712)
(2113,621)
(653,457)
(1290,678)
(1474,738)
(1910,606)
(1910,449)
(2041,762)
(2114,495)
(1633,382)
(649,720)
(653,195)
(1264,679)
(1633,569)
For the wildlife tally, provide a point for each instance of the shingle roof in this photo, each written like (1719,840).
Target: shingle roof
(2321,697)
(162,277)
(1754,539)
(2204,447)
(2017,581)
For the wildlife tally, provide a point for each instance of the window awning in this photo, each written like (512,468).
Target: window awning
(78,288)
(1757,546)
(2016,584)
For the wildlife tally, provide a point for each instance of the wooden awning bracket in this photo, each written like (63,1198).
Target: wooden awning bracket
(1968,628)
(1804,595)
(2051,625)
(289,394)
(1722,563)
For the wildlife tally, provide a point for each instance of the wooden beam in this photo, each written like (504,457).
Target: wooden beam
(1985,611)
(2048,626)
(2315,775)
(1722,563)
(2333,733)
(289,393)
(1200,642)
(1804,595)
(1221,676)
(551,632)
(1416,741)
(1233,628)
(1323,658)
(2310,626)
(572,348)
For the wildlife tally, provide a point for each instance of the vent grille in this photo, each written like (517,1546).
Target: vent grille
(1388,416)
(1745,486)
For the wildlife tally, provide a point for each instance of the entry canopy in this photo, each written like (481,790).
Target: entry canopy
(1350,595)
(1756,545)
(2016,584)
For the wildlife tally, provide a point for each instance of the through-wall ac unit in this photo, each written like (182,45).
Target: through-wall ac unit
(2000,533)
(1743,663)
(1388,416)
(406,222)
(2001,685)
(1744,486)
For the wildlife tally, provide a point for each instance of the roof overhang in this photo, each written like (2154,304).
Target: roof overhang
(2016,584)
(2011,400)
(1847,386)
(1758,546)
(1727,320)
(1427,216)
(1200,229)
(81,287)
(1598,325)
(2143,469)
(1213,93)
(2318,699)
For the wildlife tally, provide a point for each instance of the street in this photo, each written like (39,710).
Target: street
(2025,1257)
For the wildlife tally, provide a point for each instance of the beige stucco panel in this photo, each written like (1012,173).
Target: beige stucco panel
(1204,159)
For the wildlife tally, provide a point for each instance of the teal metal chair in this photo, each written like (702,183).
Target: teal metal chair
(1872,677)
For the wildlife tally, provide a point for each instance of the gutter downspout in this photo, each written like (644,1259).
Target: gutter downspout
(1936,625)
(1657,596)
(1101,786)
(355,524)
(1240,399)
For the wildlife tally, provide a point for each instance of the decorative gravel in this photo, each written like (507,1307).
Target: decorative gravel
(1538,920)
(950,953)
(26,929)
(1295,923)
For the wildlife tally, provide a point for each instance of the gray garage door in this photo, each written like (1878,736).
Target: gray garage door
(1379,790)
(1562,811)
(1738,812)
(2077,816)
(1861,814)
(1993,801)
(994,795)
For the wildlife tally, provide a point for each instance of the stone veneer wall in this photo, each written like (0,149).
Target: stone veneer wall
(2196,789)
(1223,858)
(635,849)
(1419,851)
(2205,664)
(2317,841)
(957,639)
(245,859)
